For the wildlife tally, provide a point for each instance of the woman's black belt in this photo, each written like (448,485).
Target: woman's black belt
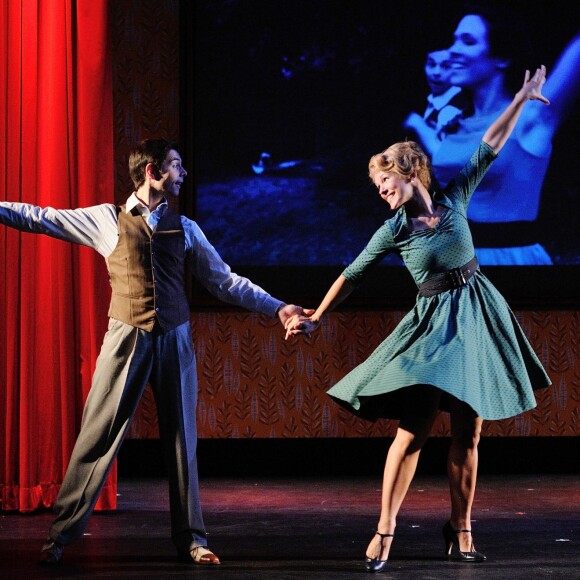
(449,280)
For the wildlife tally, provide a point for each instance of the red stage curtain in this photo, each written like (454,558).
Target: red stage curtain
(56,149)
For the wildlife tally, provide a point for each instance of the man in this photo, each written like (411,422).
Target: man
(445,103)
(146,246)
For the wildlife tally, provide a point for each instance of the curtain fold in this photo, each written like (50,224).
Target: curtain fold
(56,122)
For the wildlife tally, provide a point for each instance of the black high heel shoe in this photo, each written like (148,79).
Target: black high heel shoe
(374,564)
(452,540)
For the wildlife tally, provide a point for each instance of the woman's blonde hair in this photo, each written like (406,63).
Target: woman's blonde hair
(403,158)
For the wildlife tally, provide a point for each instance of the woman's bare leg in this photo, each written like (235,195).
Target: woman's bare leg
(401,463)
(462,468)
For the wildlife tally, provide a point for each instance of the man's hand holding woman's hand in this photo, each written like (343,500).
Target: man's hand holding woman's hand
(300,324)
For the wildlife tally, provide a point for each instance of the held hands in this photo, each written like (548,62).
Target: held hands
(532,88)
(290,311)
(300,324)
(296,320)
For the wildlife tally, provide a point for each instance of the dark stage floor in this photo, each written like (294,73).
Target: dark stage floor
(302,528)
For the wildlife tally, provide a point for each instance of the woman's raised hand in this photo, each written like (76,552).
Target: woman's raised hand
(533,85)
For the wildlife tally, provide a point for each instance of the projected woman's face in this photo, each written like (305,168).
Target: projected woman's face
(471,62)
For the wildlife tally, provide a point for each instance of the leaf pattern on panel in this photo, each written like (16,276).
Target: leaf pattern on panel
(212,322)
(199,344)
(354,424)
(329,426)
(541,415)
(561,394)
(340,354)
(201,415)
(300,361)
(365,342)
(299,396)
(211,416)
(243,407)
(291,428)
(541,319)
(228,376)
(288,349)
(310,417)
(557,424)
(254,406)
(225,421)
(270,348)
(328,330)
(543,397)
(248,433)
(223,331)
(235,343)
(558,340)
(287,385)
(250,359)
(344,321)
(309,369)
(575,387)
(212,368)
(522,424)
(321,377)
(363,428)
(267,396)
(573,427)
(354,359)
(491,428)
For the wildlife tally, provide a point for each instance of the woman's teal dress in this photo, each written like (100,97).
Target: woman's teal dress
(466,341)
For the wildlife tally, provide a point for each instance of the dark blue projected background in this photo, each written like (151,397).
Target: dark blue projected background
(293,97)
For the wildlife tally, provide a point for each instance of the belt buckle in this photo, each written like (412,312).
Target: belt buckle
(457,278)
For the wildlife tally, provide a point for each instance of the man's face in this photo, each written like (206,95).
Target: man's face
(437,71)
(172,173)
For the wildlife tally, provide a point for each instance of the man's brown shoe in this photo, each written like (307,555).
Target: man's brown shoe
(51,553)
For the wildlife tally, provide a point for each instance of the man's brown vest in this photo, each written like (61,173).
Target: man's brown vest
(147,272)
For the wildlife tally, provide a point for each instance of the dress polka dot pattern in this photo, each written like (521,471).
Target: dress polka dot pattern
(466,341)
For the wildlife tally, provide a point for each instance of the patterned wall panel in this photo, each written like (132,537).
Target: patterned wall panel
(253,383)
(145,51)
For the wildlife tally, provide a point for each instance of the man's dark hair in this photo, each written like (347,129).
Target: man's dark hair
(152,151)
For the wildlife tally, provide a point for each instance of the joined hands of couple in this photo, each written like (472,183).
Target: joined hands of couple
(297,320)
(301,324)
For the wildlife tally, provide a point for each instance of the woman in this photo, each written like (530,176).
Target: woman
(486,53)
(460,349)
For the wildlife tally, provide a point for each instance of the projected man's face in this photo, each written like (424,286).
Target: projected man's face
(438,71)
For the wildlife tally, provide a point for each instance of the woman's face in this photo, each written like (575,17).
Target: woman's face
(471,62)
(393,188)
